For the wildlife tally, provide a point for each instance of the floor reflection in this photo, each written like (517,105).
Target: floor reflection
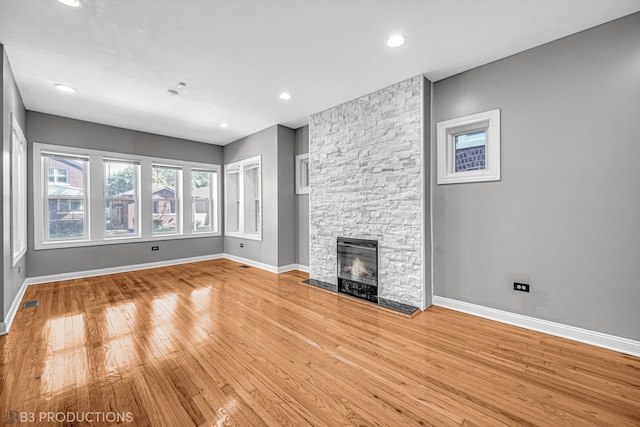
(201,303)
(163,312)
(65,364)
(121,319)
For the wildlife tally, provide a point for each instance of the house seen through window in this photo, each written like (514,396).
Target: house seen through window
(165,215)
(121,197)
(66,196)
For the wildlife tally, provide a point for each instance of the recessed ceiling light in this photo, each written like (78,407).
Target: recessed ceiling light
(65,88)
(285,96)
(396,40)
(72,3)
(224,125)
(173,91)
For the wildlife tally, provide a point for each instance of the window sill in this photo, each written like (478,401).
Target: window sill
(243,236)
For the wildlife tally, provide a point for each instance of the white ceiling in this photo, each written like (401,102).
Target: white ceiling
(237,56)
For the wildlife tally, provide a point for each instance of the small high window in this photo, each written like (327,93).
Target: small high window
(469,148)
(302,174)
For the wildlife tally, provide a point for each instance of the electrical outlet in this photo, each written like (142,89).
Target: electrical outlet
(522,287)
(155,248)
(242,245)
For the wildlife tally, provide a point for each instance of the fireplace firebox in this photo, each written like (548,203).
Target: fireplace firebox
(358,268)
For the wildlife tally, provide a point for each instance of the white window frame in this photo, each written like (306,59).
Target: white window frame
(95,201)
(446,153)
(42,208)
(213,202)
(302,179)
(18,192)
(241,165)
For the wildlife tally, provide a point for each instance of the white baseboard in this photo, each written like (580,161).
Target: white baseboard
(611,342)
(252,263)
(135,267)
(301,267)
(120,269)
(267,267)
(6,325)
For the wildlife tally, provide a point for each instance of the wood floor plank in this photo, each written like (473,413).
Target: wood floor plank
(212,344)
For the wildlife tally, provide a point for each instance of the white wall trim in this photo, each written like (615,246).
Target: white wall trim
(610,342)
(135,267)
(301,267)
(13,310)
(292,267)
(251,262)
(267,267)
(423,169)
(120,269)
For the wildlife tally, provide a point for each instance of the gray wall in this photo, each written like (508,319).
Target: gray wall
(12,277)
(57,130)
(286,197)
(302,204)
(564,217)
(276,146)
(265,144)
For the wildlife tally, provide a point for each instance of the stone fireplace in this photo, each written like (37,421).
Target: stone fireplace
(369,175)
(358,268)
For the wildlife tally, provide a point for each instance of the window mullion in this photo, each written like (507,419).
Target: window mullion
(145,196)
(241,198)
(94,196)
(187,198)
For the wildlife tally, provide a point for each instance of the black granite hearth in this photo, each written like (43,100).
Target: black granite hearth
(409,310)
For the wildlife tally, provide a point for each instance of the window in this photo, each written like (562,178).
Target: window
(469,148)
(58,175)
(470,151)
(121,179)
(203,204)
(107,198)
(302,174)
(243,199)
(18,192)
(164,185)
(62,223)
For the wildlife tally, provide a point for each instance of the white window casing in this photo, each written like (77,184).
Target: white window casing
(18,192)
(243,199)
(448,130)
(302,173)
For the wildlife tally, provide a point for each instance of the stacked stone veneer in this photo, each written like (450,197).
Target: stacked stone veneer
(365,179)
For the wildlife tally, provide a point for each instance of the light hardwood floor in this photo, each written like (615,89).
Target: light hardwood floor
(214,344)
